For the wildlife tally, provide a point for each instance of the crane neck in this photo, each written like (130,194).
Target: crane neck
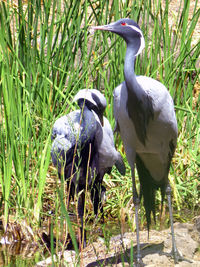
(139,105)
(82,105)
(129,73)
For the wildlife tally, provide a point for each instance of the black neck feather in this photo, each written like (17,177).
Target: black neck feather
(139,104)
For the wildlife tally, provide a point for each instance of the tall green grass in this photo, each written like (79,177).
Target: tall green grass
(47,53)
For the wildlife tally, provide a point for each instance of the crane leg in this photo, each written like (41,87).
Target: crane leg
(174,253)
(97,194)
(81,206)
(136,202)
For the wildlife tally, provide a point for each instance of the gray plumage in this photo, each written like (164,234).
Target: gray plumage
(108,155)
(145,118)
(68,133)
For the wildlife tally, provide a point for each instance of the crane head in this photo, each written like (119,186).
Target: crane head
(128,29)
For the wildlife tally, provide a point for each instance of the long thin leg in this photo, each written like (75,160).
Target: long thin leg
(81,202)
(174,253)
(136,201)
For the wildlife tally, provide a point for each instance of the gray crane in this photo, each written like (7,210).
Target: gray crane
(145,117)
(79,143)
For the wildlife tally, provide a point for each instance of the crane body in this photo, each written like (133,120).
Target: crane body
(160,131)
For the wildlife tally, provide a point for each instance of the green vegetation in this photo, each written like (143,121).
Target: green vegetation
(47,53)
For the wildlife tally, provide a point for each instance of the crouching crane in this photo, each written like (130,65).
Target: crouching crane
(107,155)
(145,117)
(80,146)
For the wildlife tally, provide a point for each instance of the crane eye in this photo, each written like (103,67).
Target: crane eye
(123,23)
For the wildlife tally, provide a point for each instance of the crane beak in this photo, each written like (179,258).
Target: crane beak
(102,28)
(107,27)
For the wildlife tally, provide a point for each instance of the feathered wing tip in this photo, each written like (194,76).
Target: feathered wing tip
(120,164)
(148,191)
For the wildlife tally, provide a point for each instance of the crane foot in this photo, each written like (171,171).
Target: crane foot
(139,262)
(175,254)
(178,257)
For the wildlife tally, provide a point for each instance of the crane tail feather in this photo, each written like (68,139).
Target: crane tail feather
(148,188)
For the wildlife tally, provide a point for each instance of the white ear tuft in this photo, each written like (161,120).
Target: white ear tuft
(142,42)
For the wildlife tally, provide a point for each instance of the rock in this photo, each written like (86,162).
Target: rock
(118,250)
(68,257)
(157,260)
(197,223)
(196,229)
(185,243)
